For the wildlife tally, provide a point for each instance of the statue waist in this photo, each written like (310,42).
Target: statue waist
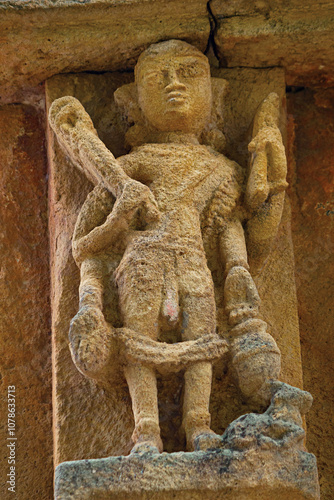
(166,244)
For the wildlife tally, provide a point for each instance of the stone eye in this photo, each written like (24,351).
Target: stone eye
(153,77)
(192,70)
(188,71)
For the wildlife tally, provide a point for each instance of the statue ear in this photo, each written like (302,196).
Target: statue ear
(126,98)
(213,134)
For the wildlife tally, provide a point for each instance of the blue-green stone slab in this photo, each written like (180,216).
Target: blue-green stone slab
(210,475)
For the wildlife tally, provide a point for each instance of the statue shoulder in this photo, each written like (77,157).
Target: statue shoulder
(134,162)
(231,176)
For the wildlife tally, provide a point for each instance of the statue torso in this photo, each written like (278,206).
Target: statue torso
(183,180)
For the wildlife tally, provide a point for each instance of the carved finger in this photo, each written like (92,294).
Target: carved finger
(257,186)
(278,165)
(152,213)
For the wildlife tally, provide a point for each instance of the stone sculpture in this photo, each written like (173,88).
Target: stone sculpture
(168,205)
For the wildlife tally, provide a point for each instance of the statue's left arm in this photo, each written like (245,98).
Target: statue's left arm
(265,190)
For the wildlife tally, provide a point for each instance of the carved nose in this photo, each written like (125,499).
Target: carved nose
(174,83)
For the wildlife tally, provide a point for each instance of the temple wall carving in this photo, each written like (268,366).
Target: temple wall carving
(232,289)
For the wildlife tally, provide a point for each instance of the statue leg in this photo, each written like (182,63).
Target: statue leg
(142,384)
(140,294)
(196,416)
(198,319)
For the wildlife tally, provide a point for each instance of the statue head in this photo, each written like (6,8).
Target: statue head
(172,92)
(174,87)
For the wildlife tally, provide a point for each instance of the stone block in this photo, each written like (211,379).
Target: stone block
(25,336)
(44,38)
(260,457)
(296,35)
(211,475)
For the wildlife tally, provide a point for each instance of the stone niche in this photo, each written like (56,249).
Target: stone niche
(93,420)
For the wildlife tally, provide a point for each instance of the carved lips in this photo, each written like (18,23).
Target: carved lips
(176,97)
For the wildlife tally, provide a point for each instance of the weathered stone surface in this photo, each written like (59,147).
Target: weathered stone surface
(25,340)
(311,134)
(41,39)
(69,188)
(297,35)
(76,417)
(261,457)
(214,475)
(302,58)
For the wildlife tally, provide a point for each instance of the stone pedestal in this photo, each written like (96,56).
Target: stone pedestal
(210,475)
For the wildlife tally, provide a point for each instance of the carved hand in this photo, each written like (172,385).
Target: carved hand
(67,117)
(136,196)
(268,168)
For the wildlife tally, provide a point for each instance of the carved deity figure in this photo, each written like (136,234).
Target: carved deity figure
(164,205)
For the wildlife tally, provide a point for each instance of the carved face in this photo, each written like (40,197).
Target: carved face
(174,91)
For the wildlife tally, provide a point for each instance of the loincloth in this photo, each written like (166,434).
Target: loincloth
(179,264)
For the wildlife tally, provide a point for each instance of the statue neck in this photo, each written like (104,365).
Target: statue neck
(174,137)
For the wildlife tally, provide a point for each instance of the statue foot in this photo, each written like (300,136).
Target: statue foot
(145,447)
(207,441)
(146,436)
(148,444)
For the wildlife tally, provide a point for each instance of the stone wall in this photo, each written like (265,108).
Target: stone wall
(25,329)
(311,119)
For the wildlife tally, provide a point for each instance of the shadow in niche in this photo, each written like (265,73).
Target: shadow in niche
(170,399)
(291,89)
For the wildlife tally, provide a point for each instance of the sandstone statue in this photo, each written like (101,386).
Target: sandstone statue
(168,205)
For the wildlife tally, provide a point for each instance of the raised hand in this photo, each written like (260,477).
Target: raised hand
(67,117)
(268,167)
(76,134)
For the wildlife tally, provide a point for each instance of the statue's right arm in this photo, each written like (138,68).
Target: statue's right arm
(90,237)
(101,223)
(78,138)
